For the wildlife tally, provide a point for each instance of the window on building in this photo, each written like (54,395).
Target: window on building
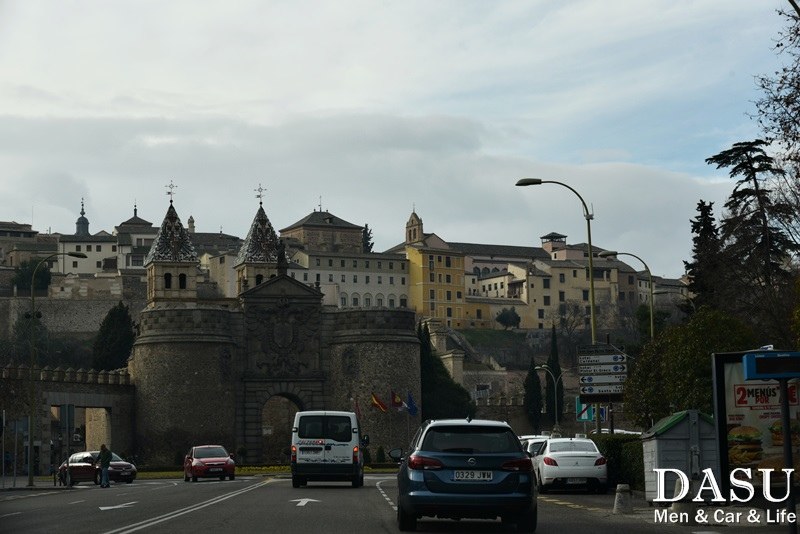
(137,260)
(449,295)
(355,264)
(403,303)
(574,273)
(585,294)
(182,281)
(113,248)
(317,261)
(402,266)
(77,248)
(478,314)
(502,285)
(402,280)
(167,280)
(99,264)
(344,301)
(380,265)
(259,279)
(562,296)
(449,312)
(438,259)
(621,295)
(221,260)
(366,279)
(432,294)
(430,265)
(367,302)
(432,277)
(440,278)
(380,279)
(355,278)
(546,300)
(341,263)
(305,277)
(391,303)
(380,301)
(391,265)
(433,307)
(317,278)
(447,278)
(458,295)
(447,261)
(561,278)
(97,248)
(355,301)
(546,283)
(391,280)
(330,278)
(630,279)
(330,262)
(366,264)
(344,278)
(540,313)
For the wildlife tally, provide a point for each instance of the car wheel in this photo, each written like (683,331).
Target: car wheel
(185,477)
(231,477)
(602,489)
(128,481)
(194,477)
(527,521)
(97,479)
(405,521)
(296,482)
(222,477)
(358,481)
(540,486)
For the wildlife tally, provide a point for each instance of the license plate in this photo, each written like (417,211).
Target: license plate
(125,473)
(576,481)
(215,470)
(471,475)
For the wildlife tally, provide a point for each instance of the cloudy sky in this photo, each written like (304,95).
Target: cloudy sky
(374,108)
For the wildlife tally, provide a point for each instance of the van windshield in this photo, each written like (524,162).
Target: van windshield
(333,427)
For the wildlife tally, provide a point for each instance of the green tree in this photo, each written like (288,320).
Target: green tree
(114,340)
(442,397)
(757,250)
(554,392)
(705,271)
(509,318)
(366,239)
(532,398)
(673,372)
(24,272)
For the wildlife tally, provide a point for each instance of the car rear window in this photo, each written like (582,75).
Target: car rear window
(570,446)
(470,439)
(333,427)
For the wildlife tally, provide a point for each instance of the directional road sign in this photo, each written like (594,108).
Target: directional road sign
(597,369)
(601,390)
(603,379)
(602,358)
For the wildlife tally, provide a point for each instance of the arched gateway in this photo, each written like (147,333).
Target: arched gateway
(234,371)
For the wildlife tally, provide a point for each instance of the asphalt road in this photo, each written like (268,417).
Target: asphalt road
(270,504)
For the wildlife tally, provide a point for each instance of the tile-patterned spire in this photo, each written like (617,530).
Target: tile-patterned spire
(261,243)
(172,243)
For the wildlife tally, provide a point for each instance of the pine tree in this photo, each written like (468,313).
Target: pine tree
(532,399)
(114,340)
(366,239)
(705,272)
(442,397)
(554,397)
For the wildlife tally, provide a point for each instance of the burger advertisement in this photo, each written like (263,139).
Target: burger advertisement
(749,415)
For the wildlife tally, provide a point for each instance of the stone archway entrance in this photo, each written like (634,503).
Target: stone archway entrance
(277,417)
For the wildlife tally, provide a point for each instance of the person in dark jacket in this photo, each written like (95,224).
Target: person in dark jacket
(104,459)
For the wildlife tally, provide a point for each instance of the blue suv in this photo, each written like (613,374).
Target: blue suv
(465,468)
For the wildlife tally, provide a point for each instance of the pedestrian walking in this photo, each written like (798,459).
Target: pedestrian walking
(104,459)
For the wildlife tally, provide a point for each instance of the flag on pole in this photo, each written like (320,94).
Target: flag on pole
(411,406)
(357,409)
(397,401)
(377,403)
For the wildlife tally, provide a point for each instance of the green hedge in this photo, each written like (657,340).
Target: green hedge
(625,460)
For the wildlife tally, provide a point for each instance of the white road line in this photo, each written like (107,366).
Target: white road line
(389,500)
(182,511)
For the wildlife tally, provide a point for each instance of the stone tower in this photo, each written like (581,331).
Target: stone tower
(258,257)
(414,229)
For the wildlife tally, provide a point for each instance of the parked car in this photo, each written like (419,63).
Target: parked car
(463,468)
(83,467)
(532,444)
(570,463)
(208,461)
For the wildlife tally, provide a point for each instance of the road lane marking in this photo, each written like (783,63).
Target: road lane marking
(126,505)
(182,511)
(382,492)
(303,502)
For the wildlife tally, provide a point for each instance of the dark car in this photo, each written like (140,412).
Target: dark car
(208,461)
(463,468)
(83,467)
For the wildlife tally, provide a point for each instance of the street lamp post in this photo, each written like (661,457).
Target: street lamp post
(607,253)
(588,216)
(32,339)
(546,368)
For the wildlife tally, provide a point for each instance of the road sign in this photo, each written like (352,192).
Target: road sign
(600,369)
(601,390)
(586,413)
(603,379)
(602,358)
(771,365)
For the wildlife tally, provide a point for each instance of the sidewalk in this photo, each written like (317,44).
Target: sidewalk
(8,483)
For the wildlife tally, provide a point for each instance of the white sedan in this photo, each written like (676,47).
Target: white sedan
(570,463)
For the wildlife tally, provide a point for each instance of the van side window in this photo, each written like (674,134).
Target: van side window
(310,427)
(333,427)
(338,428)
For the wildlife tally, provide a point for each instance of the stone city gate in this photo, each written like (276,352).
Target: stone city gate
(106,399)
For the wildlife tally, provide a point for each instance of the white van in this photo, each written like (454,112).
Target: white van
(327,446)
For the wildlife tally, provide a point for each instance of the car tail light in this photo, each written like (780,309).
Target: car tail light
(600,461)
(423,462)
(520,464)
(294,453)
(355,454)
(549,461)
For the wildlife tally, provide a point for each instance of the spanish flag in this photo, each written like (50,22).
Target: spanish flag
(377,403)
(397,401)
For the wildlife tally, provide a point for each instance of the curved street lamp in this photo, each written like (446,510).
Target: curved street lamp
(545,367)
(609,253)
(32,340)
(588,216)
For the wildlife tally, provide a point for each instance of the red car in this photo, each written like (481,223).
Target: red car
(83,467)
(208,461)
